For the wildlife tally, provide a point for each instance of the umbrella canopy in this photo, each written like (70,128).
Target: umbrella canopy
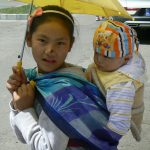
(93,7)
(104,8)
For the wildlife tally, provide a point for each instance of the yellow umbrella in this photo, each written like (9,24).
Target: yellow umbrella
(94,7)
(104,8)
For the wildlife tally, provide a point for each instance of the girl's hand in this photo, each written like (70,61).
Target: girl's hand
(24,97)
(16,79)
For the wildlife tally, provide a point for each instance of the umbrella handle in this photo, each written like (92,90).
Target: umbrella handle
(19,65)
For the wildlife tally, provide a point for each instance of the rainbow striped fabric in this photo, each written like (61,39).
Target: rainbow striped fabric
(114,39)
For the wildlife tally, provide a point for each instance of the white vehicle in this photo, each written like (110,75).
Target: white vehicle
(133,5)
(140,11)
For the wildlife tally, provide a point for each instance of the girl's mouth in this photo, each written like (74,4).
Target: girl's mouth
(50,61)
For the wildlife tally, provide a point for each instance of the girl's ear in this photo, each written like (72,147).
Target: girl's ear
(28,39)
(71,43)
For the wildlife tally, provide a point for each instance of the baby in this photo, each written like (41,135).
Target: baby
(118,70)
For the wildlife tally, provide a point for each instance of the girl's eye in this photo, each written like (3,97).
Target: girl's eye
(42,40)
(61,43)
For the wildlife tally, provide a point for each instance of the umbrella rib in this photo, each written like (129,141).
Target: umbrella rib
(61,3)
(105,12)
(24,41)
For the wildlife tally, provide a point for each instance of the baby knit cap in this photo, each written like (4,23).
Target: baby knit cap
(114,39)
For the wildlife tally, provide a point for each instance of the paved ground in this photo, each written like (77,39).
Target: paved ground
(12,33)
(9,3)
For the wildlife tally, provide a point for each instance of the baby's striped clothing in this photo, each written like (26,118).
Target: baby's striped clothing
(120,99)
(120,88)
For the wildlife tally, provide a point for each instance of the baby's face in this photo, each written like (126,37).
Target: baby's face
(108,64)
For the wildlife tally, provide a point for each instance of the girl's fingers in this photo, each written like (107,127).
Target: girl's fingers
(15,69)
(15,96)
(23,98)
(11,87)
(14,82)
(15,77)
(22,90)
(24,78)
(20,76)
(30,89)
(26,90)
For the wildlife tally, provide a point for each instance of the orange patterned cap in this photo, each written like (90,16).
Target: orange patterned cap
(114,39)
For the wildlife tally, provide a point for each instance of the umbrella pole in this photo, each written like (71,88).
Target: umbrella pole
(19,64)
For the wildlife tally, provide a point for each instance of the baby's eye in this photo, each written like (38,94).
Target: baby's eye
(107,57)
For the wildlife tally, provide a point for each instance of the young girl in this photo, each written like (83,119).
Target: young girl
(63,110)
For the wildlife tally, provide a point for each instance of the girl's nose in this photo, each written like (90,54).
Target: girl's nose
(49,49)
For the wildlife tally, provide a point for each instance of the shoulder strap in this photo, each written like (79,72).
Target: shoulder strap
(98,82)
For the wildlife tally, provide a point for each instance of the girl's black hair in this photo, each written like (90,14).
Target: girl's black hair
(47,16)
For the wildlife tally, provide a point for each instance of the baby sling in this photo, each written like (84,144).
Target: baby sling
(76,106)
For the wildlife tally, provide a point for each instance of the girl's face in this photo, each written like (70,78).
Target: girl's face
(108,64)
(50,45)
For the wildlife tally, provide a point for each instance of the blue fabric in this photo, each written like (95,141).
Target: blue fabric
(77,107)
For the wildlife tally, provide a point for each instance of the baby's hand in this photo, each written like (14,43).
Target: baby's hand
(24,97)
(16,79)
